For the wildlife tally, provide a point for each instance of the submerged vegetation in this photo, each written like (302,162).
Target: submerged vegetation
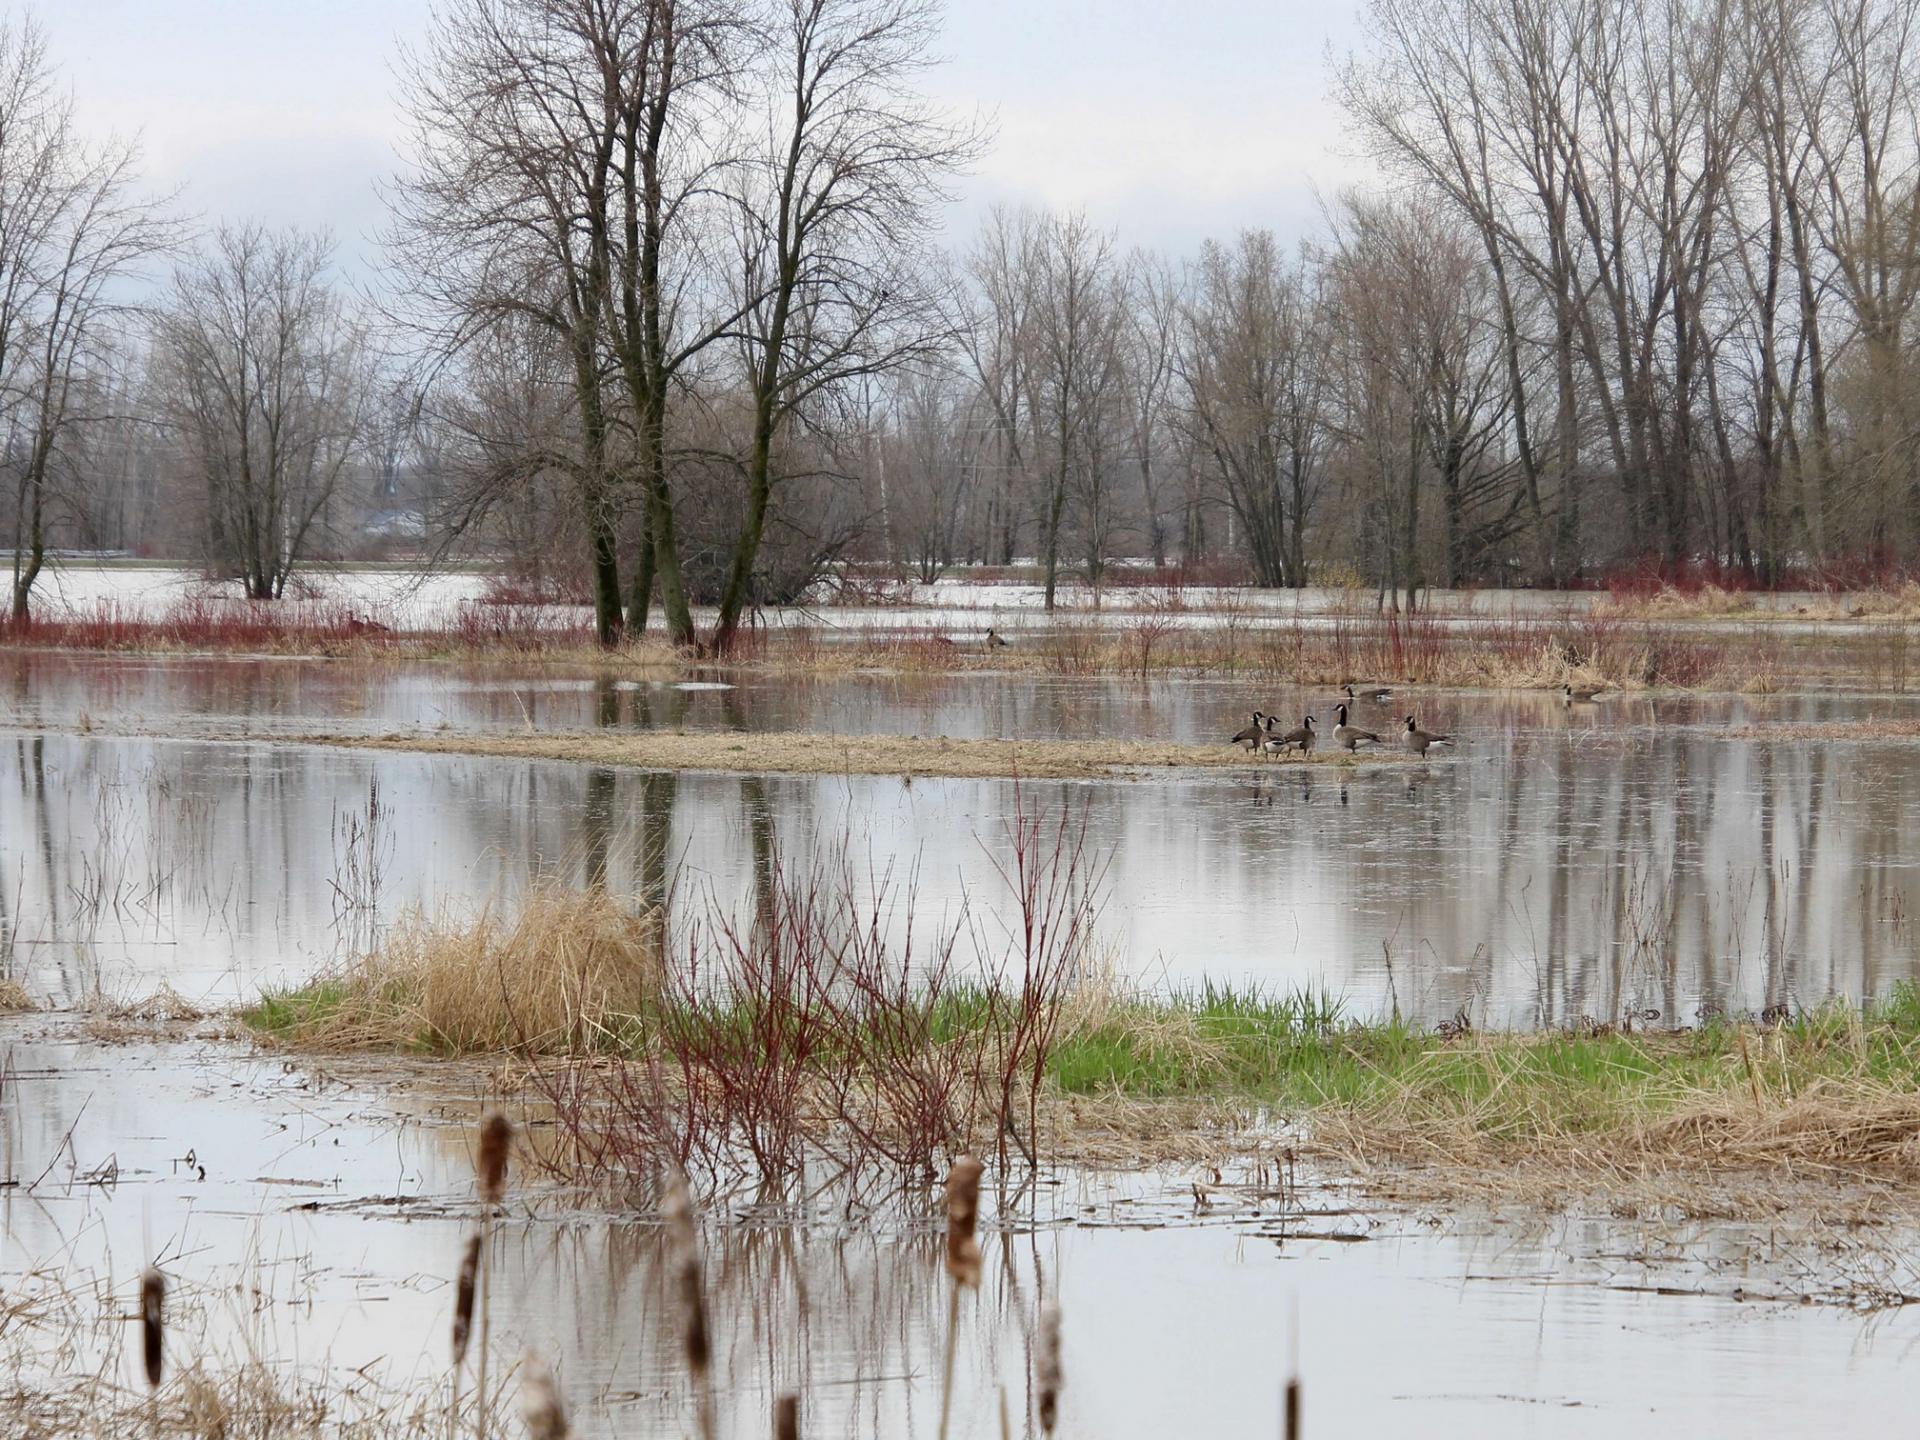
(809,1030)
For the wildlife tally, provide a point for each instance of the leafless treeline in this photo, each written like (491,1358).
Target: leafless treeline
(220,417)
(679,239)
(1637,281)
(1640,282)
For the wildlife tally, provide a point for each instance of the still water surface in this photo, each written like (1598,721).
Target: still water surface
(1563,863)
(325,1229)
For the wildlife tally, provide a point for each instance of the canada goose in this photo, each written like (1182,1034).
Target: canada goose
(1300,739)
(1345,736)
(1419,741)
(1378,696)
(1583,694)
(994,642)
(1251,735)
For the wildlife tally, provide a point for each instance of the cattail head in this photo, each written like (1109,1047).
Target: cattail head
(963,1217)
(153,1303)
(1047,1378)
(463,1297)
(683,1242)
(786,1418)
(490,1165)
(540,1403)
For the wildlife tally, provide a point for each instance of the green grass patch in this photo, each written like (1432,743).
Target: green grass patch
(1293,1053)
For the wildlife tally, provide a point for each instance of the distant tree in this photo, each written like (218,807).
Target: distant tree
(833,230)
(73,223)
(270,382)
(1254,375)
(1074,372)
(1151,341)
(996,339)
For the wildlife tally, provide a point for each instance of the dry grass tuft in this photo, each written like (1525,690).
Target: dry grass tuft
(565,973)
(14,998)
(1825,730)
(1738,1143)
(1710,602)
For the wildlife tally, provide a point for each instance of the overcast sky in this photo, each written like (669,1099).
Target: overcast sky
(1166,121)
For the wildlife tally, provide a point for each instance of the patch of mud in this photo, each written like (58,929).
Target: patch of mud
(823,754)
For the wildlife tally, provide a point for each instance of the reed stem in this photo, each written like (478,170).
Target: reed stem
(946,1372)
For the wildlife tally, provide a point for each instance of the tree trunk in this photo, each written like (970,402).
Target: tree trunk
(1056,505)
(666,545)
(606,566)
(746,546)
(24,574)
(640,594)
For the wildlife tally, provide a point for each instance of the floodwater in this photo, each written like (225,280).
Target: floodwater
(1625,856)
(1631,855)
(313,1220)
(965,608)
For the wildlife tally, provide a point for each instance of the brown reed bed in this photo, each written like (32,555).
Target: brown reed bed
(1896,600)
(1631,641)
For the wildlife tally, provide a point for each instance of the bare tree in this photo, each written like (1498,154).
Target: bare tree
(507,213)
(73,223)
(834,228)
(1152,338)
(995,335)
(1074,371)
(1255,385)
(270,378)
(1424,394)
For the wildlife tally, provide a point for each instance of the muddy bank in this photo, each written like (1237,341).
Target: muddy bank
(822,754)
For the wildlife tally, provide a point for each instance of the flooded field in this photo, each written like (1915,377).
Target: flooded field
(1564,862)
(313,1214)
(1681,854)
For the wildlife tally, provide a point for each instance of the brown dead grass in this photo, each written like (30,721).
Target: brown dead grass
(1827,730)
(801,753)
(1711,602)
(566,966)
(1840,1151)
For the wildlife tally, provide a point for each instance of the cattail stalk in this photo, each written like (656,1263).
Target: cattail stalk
(1047,1377)
(462,1322)
(153,1304)
(963,1263)
(490,1174)
(683,1241)
(540,1404)
(1290,1426)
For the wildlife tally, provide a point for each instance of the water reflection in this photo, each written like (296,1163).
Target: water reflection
(1599,861)
(326,1227)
